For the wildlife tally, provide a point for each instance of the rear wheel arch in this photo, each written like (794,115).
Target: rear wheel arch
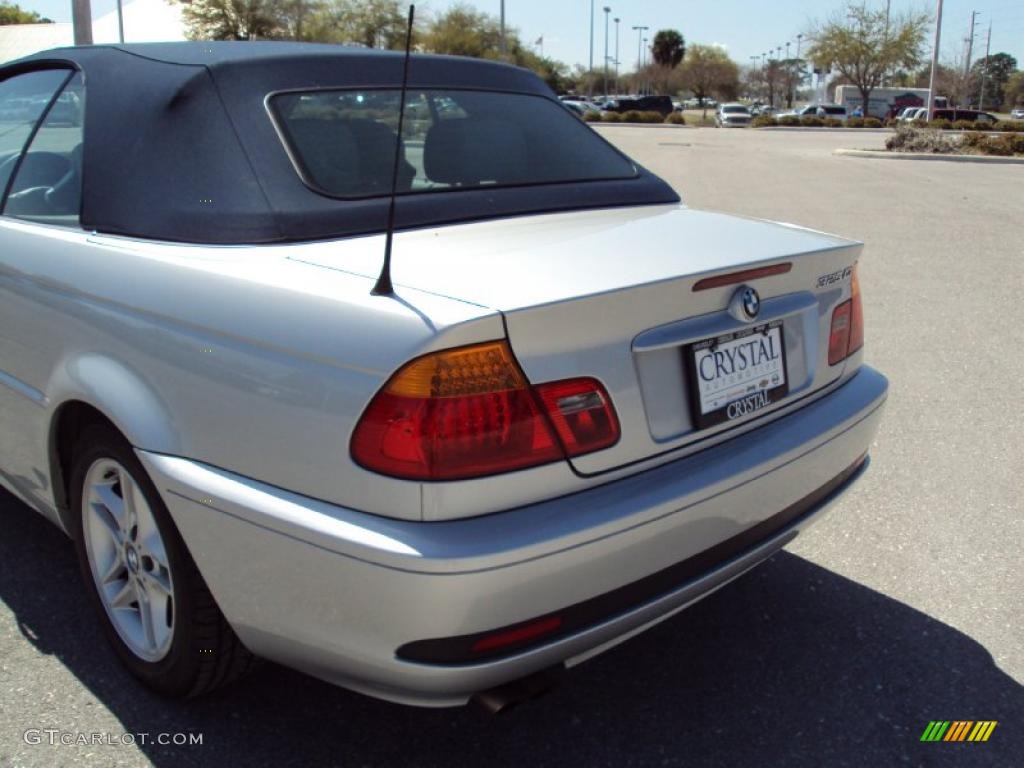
(70,420)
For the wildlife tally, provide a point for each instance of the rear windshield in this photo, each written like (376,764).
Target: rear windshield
(735,110)
(343,141)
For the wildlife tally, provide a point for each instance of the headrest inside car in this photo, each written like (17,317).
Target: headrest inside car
(471,151)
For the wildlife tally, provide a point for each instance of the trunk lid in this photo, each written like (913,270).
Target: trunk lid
(611,294)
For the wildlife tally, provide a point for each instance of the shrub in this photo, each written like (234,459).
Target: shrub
(891,122)
(1012,142)
(811,121)
(675,118)
(872,122)
(1009,126)
(973,141)
(636,116)
(591,117)
(910,139)
(763,121)
(965,125)
(789,120)
(855,122)
(611,117)
(833,122)
(940,125)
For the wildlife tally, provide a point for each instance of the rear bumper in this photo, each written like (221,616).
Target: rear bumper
(337,593)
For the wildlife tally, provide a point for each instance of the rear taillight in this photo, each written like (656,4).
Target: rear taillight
(470,411)
(581,413)
(856,316)
(847,333)
(839,338)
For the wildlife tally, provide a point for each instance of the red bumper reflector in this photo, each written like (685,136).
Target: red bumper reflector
(517,635)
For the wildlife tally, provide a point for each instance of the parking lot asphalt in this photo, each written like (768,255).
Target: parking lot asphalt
(905,605)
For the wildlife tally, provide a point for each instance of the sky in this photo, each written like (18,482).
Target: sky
(744,27)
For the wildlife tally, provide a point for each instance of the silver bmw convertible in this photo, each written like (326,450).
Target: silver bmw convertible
(576,407)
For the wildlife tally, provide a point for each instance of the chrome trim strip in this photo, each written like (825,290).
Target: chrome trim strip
(17,385)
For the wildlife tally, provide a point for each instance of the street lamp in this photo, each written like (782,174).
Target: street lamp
(607,10)
(503,49)
(799,38)
(787,51)
(590,71)
(639,34)
(646,84)
(617,54)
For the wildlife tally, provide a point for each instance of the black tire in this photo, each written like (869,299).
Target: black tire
(204,652)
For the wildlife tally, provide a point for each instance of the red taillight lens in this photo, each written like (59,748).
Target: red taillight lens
(856,316)
(582,414)
(470,411)
(839,338)
(847,334)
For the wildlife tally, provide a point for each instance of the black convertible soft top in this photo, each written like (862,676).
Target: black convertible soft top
(170,126)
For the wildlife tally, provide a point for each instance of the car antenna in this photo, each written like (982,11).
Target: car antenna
(383,287)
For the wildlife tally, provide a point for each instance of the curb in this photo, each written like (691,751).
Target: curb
(639,125)
(822,128)
(883,154)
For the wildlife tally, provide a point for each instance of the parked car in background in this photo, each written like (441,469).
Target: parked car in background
(448,480)
(732,116)
(837,111)
(970,115)
(834,111)
(580,106)
(1017,113)
(661,104)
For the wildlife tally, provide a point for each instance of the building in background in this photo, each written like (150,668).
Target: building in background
(145,21)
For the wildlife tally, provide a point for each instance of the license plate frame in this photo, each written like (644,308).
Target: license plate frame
(750,400)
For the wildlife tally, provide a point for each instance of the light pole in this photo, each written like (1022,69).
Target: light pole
(503,29)
(81,18)
(607,10)
(888,4)
(639,43)
(617,55)
(799,39)
(787,51)
(643,92)
(590,71)
(935,61)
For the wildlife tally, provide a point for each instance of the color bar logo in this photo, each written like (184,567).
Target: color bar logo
(958,730)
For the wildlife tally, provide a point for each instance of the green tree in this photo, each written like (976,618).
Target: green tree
(464,31)
(239,19)
(1013,91)
(863,47)
(11,13)
(708,71)
(668,48)
(373,23)
(992,72)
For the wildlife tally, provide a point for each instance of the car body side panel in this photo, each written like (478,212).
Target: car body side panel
(239,357)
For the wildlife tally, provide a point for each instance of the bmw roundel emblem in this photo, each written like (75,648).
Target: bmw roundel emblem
(751,302)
